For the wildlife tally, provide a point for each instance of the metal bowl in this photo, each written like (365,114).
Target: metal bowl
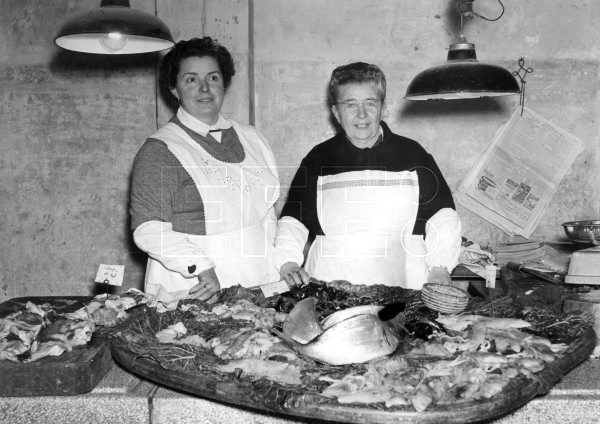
(583,231)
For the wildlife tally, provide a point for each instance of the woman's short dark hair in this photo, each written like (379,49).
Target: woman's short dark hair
(356,73)
(196,47)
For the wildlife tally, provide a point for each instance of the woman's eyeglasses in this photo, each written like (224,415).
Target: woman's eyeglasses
(351,108)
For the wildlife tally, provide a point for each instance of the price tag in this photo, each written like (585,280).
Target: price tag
(110,274)
(490,276)
(272,289)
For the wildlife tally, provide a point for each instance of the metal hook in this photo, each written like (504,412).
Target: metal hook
(522,73)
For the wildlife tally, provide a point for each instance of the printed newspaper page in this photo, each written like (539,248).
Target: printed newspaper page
(517,175)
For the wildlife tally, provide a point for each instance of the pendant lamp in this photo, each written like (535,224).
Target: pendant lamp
(114,28)
(462,76)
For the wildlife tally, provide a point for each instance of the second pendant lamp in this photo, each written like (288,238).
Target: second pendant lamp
(462,76)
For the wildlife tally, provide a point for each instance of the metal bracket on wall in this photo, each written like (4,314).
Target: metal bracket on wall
(521,74)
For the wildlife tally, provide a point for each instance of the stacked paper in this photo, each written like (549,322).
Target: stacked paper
(533,253)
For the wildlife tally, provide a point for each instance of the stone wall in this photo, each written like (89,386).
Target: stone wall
(71,123)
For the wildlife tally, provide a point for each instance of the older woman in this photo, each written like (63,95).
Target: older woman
(376,203)
(203,187)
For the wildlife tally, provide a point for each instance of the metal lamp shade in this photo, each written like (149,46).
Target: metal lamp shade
(462,77)
(115,28)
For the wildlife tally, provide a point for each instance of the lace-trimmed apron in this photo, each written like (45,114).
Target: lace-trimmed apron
(240,226)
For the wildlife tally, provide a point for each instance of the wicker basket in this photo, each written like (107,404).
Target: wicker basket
(444,298)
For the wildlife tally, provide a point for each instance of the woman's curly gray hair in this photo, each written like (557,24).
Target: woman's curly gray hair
(356,73)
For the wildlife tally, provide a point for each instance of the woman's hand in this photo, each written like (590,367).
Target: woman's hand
(293,274)
(207,288)
(439,275)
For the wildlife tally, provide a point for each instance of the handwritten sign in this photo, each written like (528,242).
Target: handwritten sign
(110,274)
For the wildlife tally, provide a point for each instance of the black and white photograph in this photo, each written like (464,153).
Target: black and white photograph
(309,211)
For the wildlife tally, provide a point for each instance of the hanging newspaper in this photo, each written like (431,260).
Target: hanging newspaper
(517,175)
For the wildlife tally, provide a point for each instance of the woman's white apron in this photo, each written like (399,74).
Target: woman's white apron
(368,218)
(238,205)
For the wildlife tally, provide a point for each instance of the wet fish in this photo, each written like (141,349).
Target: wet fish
(353,335)
(302,323)
(461,322)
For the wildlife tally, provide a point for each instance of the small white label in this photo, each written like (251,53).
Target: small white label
(490,276)
(272,289)
(110,274)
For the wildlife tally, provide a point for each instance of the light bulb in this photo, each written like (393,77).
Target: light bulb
(113,41)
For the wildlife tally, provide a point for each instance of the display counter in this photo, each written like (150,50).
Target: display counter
(122,397)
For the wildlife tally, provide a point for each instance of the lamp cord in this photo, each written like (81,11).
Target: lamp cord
(494,19)
(465,8)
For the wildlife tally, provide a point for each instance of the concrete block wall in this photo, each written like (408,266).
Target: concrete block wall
(70,123)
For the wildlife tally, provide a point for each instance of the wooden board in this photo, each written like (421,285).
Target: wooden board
(273,398)
(71,373)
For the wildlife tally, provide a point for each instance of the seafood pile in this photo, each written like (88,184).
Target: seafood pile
(37,331)
(476,357)
(341,343)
